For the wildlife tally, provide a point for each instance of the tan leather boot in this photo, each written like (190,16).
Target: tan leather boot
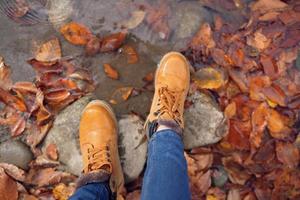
(172,81)
(99,147)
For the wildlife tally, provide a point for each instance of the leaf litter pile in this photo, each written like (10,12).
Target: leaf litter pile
(250,70)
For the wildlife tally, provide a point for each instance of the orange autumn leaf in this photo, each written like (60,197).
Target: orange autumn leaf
(238,135)
(257,84)
(110,71)
(210,78)
(132,56)
(121,94)
(276,125)
(56,95)
(149,77)
(230,110)
(112,42)
(50,51)
(259,123)
(12,101)
(25,87)
(76,33)
(275,94)
(5,75)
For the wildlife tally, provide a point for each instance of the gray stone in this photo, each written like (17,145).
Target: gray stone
(205,123)
(132,149)
(64,134)
(16,153)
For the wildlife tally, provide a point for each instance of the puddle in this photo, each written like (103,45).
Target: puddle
(17,41)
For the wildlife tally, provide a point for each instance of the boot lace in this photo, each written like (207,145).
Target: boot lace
(98,157)
(168,102)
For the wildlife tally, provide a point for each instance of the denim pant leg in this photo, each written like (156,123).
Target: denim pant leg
(92,191)
(166,176)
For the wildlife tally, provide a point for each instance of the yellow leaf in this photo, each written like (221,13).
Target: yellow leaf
(210,78)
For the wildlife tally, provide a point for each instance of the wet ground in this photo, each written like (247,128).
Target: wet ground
(18,42)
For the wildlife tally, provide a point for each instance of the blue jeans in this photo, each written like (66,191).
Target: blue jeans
(166,175)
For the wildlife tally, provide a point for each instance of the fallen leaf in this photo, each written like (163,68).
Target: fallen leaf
(25,87)
(43,177)
(239,133)
(204,182)
(157,19)
(288,154)
(42,161)
(234,194)
(18,127)
(135,195)
(257,85)
(56,95)
(230,110)
(276,125)
(5,75)
(275,94)
(269,66)
(132,56)
(111,72)
(28,197)
(8,187)
(50,51)
(258,41)
(76,33)
(149,78)
(137,17)
(203,37)
(236,172)
(264,6)
(210,78)
(63,192)
(127,91)
(13,171)
(289,17)
(269,16)
(93,46)
(12,101)
(259,123)
(239,78)
(51,151)
(112,42)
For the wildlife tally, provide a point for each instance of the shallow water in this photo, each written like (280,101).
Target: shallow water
(18,41)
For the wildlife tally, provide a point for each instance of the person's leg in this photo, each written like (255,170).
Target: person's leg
(92,191)
(166,176)
(102,175)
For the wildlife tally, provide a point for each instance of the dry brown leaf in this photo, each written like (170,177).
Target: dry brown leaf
(43,161)
(110,71)
(204,182)
(203,160)
(210,78)
(62,192)
(12,101)
(137,17)
(51,151)
(13,171)
(132,55)
(269,16)
(56,95)
(239,78)
(93,46)
(239,133)
(269,66)
(25,87)
(8,187)
(149,78)
(234,194)
(258,41)
(50,51)
(18,127)
(230,110)
(275,94)
(76,33)
(288,154)
(264,6)
(43,177)
(259,123)
(257,84)
(112,42)
(135,195)
(203,37)
(5,75)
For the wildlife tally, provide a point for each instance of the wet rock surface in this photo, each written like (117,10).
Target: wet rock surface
(132,149)
(64,134)
(204,122)
(15,152)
